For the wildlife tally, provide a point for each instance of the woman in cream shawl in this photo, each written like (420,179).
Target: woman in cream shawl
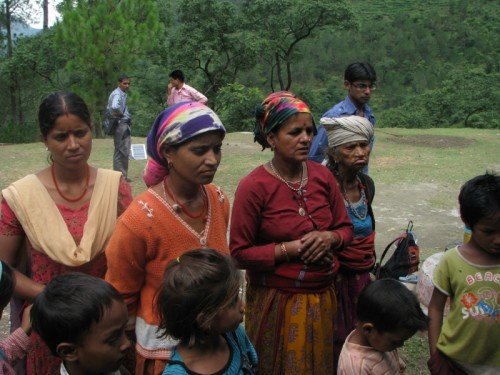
(60,218)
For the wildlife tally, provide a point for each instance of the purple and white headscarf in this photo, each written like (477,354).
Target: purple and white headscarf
(175,125)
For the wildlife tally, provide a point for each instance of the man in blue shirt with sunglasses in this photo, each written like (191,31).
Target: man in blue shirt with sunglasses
(359,81)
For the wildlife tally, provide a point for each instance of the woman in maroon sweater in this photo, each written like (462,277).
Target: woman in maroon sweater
(288,220)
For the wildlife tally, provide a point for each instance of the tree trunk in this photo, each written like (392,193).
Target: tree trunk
(45,6)
(8,30)
(470,114)
(279,72)
(12,85)
(19,106)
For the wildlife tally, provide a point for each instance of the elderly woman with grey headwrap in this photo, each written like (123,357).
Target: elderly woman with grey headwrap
(348,153)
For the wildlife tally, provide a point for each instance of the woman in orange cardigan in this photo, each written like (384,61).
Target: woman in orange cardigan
(180,211)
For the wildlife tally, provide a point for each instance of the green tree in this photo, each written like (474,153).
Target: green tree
(105,39)
(11,11)
(36,64)
(209,39)
(466,97)
(281,25)
(237,106)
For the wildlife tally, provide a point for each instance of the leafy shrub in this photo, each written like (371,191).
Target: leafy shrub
(236,106)
(404,118)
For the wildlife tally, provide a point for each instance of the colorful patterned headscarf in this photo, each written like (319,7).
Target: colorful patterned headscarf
(342,130)
(175,125)
(274,111)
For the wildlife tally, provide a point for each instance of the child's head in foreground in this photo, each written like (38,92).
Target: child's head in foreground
(389,314)
(7,284)
(200,297)
(82,320)
(479,201)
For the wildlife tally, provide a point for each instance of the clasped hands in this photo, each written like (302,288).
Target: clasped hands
(314,247)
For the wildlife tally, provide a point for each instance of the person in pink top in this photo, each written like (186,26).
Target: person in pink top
(389,314)
(178,91)
(60,218)
(16,345)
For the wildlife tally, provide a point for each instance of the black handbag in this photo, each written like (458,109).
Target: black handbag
(109,123)
(403,261)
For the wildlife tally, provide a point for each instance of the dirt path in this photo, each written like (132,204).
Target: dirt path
(435,227)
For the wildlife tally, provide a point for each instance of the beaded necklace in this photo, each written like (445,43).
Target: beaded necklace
(299,191)
(201,236)
(72,200)
(364,205)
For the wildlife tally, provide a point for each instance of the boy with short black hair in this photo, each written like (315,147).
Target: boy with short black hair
(359,81)
(468,339)
(178,91)
(389,314)
(82,320)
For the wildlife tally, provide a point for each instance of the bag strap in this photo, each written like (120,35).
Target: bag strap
(407,233)
(409,228)
(398,238)
(378,266)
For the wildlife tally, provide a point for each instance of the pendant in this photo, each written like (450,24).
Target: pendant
(203,242)
(302,212)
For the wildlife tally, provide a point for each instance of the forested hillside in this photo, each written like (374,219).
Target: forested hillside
(438,62)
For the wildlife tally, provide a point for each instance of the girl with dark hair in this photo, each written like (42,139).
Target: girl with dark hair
(205,288)
(64,213)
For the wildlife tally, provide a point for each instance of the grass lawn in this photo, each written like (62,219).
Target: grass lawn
(443,156)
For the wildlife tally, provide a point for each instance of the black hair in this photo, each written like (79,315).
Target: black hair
(61,103)
(122,78)
(200,282)
(390,306)
(7,285)
(67,307)
(479,198)
(177,74)
(359,71)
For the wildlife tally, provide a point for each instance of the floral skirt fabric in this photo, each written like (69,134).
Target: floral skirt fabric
(292,333)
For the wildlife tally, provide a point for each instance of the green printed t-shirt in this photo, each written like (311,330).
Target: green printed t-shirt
(471,331)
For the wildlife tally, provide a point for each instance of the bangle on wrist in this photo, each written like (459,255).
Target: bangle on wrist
(284,252)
